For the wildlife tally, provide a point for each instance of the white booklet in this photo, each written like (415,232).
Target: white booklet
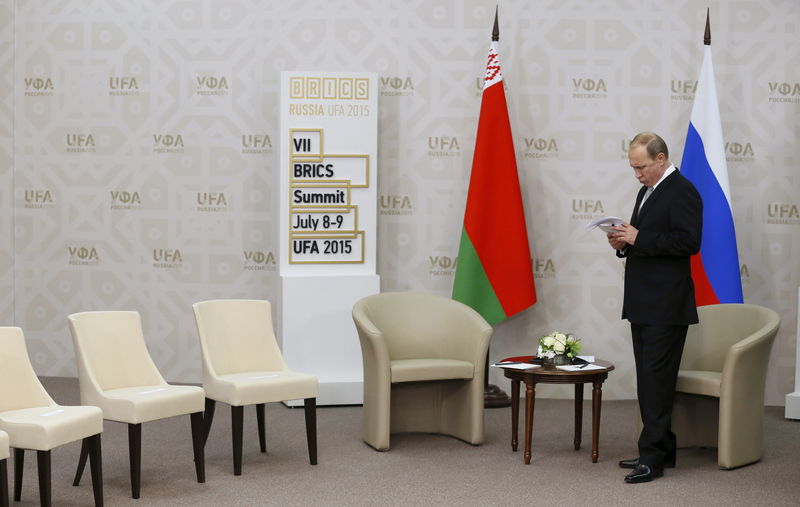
(513,365)
(581,367)
(605,223)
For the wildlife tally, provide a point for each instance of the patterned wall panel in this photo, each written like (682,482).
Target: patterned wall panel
(144,161)
(6,162)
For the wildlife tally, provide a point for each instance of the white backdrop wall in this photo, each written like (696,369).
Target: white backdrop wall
(144,157)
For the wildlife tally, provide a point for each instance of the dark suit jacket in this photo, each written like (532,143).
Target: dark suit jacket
(658,276)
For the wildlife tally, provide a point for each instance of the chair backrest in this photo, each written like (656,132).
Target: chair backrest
(19,385)
(417,326)
(111,351)
(722,326)
(236,336)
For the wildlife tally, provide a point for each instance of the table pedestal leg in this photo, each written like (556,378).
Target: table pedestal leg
(530,399)
(597,395)
(514,414)
(578,414)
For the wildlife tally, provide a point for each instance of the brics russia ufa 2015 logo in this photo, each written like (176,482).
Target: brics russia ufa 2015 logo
(683,89)
(544,268)
(442,265)
(170,142)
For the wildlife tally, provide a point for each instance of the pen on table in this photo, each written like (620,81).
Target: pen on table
(584,365)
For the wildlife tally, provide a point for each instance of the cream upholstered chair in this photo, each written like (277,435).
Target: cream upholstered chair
(242,365)
(719,399)
(117,374)
(424,366)
(3,469)
(34,421)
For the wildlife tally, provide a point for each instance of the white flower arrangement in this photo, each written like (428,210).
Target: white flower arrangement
(558,343)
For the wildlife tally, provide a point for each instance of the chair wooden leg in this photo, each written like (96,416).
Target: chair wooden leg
(262,438)
(198,429)
(43,461)
(311,428)
(208,418)
(3,483)
(135,455)
(237,428)
(19,462)
(81,462)
(96,466)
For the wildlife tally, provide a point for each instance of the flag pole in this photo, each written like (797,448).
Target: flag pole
(707,36)
(493,396)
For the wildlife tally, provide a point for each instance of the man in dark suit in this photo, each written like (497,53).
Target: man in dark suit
(664,231)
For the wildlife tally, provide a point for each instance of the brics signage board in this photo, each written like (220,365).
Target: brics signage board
(328,152)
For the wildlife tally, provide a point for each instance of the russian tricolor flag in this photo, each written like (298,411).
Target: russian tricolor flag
(715,270)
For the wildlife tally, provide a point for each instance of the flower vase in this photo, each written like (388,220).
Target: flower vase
(558,360)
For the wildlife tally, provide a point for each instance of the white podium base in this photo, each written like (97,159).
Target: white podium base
(792,405)
(318,336)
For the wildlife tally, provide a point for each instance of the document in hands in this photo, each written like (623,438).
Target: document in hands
(605,223)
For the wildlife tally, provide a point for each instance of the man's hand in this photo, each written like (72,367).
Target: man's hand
(624,234)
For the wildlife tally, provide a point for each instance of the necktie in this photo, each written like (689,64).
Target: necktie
(646,195)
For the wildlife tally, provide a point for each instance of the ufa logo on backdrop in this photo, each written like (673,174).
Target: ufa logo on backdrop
(784,92)
(122,85)
(212,85)
(125,200)
(259,260)
(395,86)
(589,88)
(168,143)
(167,258)
(587,209)
(396,204)
(683,89)
(783,213)
(544,268)
(442,265)
(539,147)
(256,144)
(83,255)
(79,143)
(212,201)
(39,86)
(443,146)
(739,152)
(38,198)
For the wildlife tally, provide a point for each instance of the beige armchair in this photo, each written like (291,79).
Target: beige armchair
(117,374)
(424,365)
(34,421)
(4,469)
(719,400)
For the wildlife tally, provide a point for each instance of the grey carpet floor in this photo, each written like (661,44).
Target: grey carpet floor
(420,469)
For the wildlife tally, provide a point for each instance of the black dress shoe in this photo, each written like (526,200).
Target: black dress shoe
(669,462)
(643,473)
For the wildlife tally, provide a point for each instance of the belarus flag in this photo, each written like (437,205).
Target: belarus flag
(494,274)
(715,269)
